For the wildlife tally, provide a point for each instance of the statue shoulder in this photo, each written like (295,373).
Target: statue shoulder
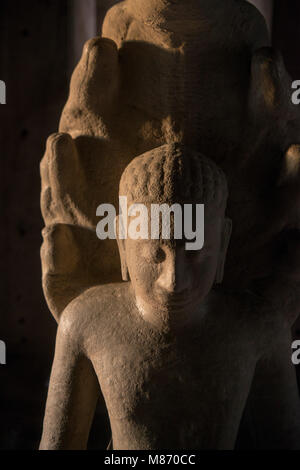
(248,307)
(92,310)
(253,315)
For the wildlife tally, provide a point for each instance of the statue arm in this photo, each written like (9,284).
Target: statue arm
(72,397)
(274,400)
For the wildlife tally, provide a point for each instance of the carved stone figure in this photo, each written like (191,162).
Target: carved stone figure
(175,362)
(202,74)
(194,71)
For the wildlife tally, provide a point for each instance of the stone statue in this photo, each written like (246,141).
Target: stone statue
(195,71)
(174,360)
(202,74)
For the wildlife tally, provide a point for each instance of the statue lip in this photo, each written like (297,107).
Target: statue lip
(178,302)
(177,296)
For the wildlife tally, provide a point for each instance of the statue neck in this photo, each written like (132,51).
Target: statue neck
(171,321)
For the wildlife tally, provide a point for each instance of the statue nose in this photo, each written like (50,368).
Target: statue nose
(174,278)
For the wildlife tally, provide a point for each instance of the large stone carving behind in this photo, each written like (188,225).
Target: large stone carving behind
(197,71)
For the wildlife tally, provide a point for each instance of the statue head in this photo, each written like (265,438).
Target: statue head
(168,279)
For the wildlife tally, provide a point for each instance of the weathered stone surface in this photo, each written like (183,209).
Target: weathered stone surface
(164,73)
(175,360)
(139,89)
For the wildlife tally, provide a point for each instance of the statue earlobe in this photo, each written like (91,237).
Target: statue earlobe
(290,170)
(226,235)
(124,270)
(121,246)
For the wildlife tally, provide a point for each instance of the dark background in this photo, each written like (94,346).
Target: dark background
(40,42)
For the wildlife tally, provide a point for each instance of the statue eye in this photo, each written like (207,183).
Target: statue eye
(158,255)
(154,254)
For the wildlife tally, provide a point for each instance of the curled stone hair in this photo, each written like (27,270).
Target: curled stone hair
(174,173)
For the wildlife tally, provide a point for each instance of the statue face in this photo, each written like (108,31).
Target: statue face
(169,281)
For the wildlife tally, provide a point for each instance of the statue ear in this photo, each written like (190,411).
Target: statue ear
(226,235)
(122,252)
(290,170)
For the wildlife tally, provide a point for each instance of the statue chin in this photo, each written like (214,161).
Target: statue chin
(169,314)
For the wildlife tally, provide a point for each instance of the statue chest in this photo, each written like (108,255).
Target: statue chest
(169,397)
